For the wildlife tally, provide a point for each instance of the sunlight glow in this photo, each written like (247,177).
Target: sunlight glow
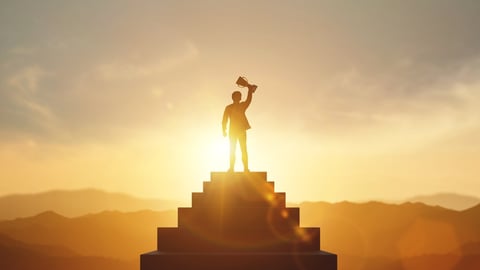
(215,154)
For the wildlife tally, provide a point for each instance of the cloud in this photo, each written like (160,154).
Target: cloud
(93,96)
(95,73)
(396,109)
(75,72)
(26,80)
(122,69)
(22,110)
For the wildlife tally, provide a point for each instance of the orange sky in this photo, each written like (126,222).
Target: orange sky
(355,101)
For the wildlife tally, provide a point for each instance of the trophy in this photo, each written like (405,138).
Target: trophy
(243,82)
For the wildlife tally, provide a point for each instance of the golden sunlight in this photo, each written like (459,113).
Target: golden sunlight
(214,154)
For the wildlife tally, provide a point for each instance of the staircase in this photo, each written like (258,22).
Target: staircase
(238,222)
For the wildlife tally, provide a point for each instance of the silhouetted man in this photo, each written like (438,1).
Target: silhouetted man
(235,112)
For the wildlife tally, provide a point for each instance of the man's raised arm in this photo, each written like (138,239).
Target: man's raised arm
(251,89)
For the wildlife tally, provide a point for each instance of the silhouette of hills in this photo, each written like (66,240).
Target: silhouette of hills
(369,235)
(71,203)
(18,247)
(474,210)
(386,230)
(22,256)
(423,262)
(106,234)
(447,200)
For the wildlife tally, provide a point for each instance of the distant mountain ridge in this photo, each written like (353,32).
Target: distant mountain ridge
(367,236)
(383,235)
(391,230)
(447,200)
(72,203)
(106,234)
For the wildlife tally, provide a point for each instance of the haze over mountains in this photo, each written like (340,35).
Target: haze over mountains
(366,236)
(107,234)
(447,200)
(73,203)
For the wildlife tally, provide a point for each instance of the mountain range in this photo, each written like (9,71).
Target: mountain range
(17,255)
(447,200)
(369,236)
(73,203)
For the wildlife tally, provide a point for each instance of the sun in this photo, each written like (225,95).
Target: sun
(215,154)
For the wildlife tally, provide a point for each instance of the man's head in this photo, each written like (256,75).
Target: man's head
(236,97)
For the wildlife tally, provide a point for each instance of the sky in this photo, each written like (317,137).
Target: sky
(356,100)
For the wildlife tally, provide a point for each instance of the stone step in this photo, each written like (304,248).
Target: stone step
(318,260)
(245,186)
(183,240)
(226,176)
(243,199)
(238,218)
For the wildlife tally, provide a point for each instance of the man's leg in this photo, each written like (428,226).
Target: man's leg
(233,148)
(242,139)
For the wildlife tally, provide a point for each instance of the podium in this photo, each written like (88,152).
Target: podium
(238,222)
